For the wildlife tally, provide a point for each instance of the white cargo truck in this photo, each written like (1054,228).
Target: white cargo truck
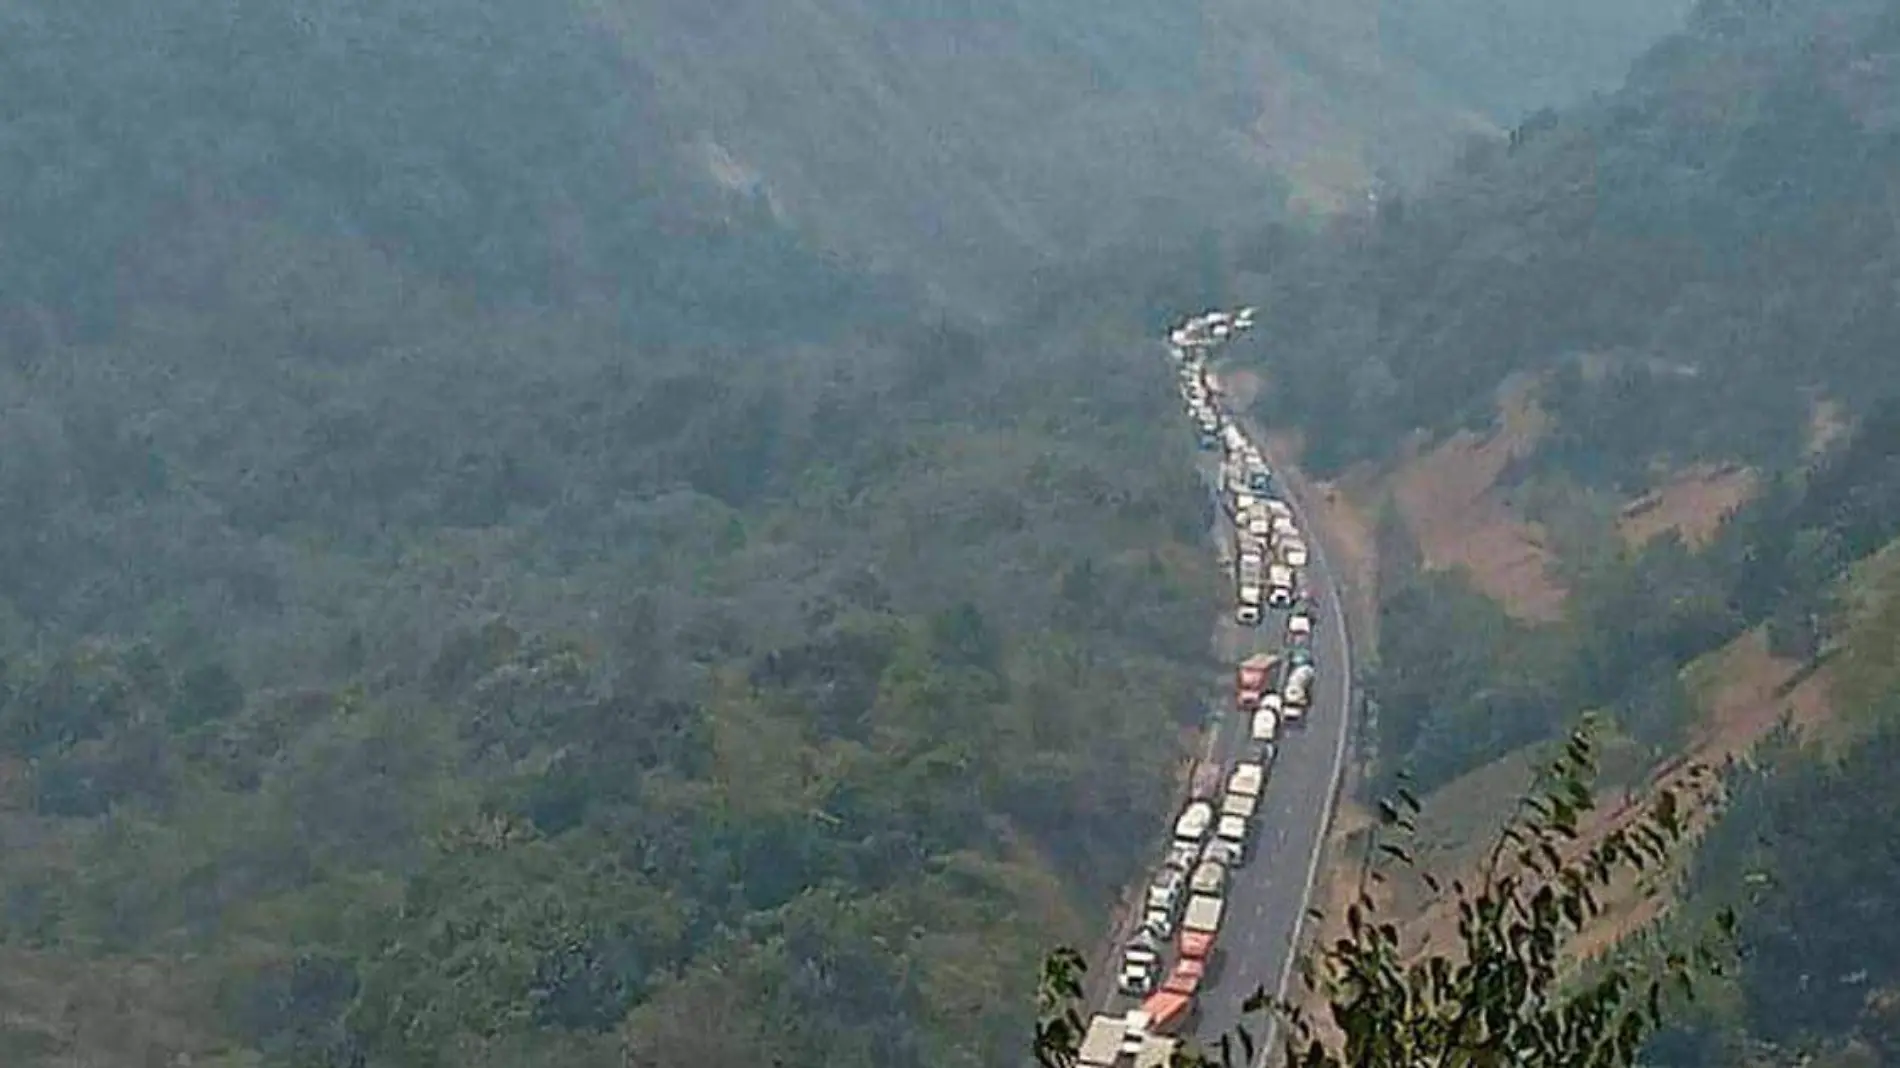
(1203,914)
(1293,551)
(1247,778)
(1102,1043)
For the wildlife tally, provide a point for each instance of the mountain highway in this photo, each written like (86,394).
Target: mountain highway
(1269,896)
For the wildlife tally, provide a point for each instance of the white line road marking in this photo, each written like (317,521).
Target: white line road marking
(1337,615)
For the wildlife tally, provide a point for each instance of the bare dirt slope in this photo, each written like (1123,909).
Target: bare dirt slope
(1447,495)
(1693,504)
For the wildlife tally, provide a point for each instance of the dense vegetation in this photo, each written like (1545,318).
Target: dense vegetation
(1460,683)
(1684,270)
(467,597)
(1709,242)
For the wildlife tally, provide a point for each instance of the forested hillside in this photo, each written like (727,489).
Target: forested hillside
(1693,271)
(471,596)
(933,141)
(1620,406)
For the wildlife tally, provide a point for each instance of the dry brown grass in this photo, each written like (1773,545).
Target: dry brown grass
(1693,504)
(1446,496)
(1743,691)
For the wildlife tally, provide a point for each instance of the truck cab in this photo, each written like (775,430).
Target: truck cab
(1233,835)
(1193,824)
(1299,629)
(1266,724)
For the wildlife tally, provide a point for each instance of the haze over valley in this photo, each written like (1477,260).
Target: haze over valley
(653,533)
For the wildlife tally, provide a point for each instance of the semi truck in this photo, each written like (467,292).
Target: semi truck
(1200,926)
(1173,1006)
(1132,1040)
(1279,585)
(1102,1042)
(1252,679)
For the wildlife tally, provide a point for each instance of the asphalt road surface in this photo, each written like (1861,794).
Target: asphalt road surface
(1269,895)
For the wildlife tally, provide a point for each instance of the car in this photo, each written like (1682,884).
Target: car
(1140,968)
(1299,657)
(1266,753)
(1247,615)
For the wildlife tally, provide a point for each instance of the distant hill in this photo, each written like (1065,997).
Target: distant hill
(961,146)
(1509,58)
(1707,242)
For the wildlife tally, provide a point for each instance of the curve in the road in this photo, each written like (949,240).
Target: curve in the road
(1318,851)
(1299,805)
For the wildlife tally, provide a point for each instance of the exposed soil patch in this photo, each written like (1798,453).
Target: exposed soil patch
(1446,496)
(1693,504)
(1744,689)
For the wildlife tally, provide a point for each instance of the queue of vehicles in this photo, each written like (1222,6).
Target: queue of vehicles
(1175,950)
